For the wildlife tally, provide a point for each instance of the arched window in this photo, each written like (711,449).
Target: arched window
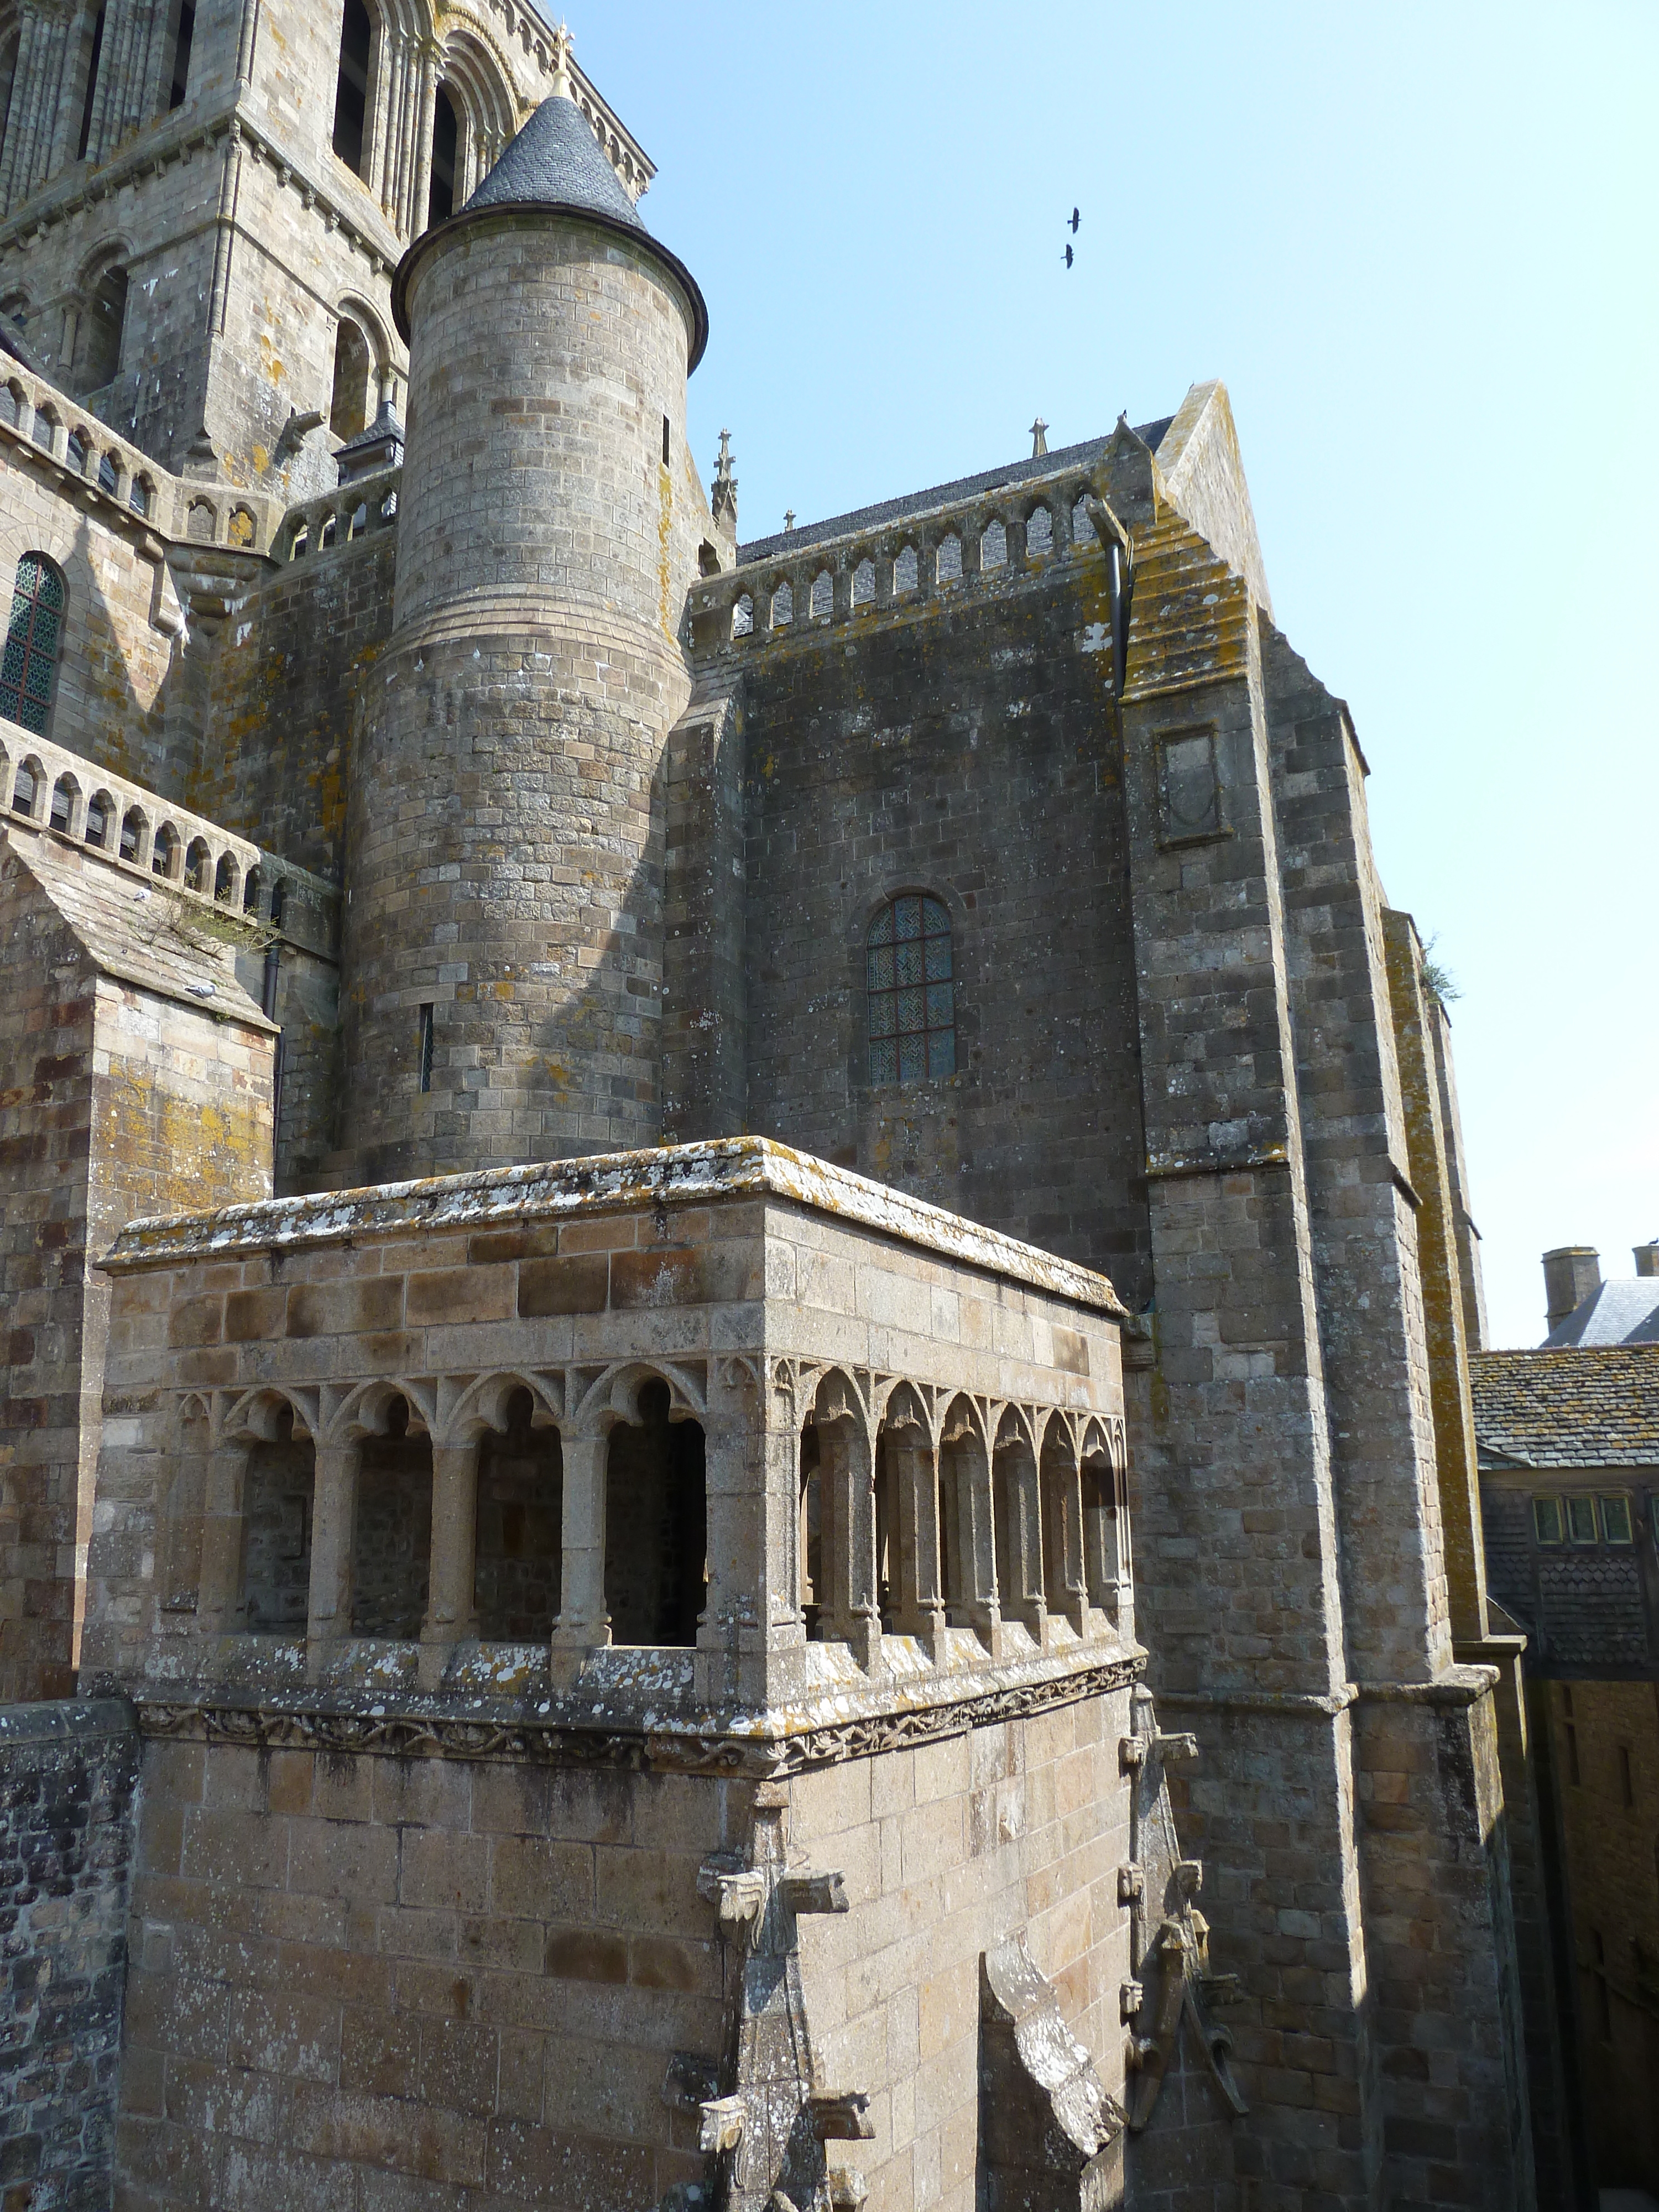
(253,891)
(823,595)
(164,854)
(278,1496)
(1039,531)
(142,496)
(993,546)
(743,617)
(950,558)
(655,1537)
(224,880)
(100,818)
(904,570)
(445,141)
(132,835)
(353,358)
(199,866)
(783,607)
(64,793)
(521,1511)
(1083,531)
(911,994)
(863,583)
(391,1550)
(351,86)
(30,661)
(98,348)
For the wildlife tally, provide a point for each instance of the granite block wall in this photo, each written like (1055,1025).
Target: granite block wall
(68,1780)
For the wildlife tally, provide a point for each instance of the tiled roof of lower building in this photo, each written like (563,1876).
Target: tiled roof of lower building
(1579,1406)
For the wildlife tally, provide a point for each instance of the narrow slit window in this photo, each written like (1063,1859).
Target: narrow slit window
(426,1048)
(665,441)
(446,142)
(93,60)
(911,991)
(183,40)
(351,86)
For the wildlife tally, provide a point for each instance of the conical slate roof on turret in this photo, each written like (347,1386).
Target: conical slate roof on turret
(555,160)
(556,164)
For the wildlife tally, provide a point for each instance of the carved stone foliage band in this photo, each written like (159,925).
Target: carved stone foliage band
(413,1733)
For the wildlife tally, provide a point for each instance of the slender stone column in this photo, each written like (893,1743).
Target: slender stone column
(921,1609)
(426,116)
(583,1624)
(333,1534)
(219,1610)
(848,1539)
(452,1615)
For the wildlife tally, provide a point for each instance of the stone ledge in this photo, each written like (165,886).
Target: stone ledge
(63,1720)
(605,1183)
(758,1746)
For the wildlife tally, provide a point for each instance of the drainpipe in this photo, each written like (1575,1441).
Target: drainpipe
(1121,571)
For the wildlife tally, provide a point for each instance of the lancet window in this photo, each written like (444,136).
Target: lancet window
(911,991)
(33,636)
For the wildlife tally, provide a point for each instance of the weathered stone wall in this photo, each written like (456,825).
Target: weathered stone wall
(119,1099)
(966,750)
(67,1783)
(1604,1760)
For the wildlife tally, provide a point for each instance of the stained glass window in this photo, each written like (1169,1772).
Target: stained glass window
(912,995)
(31,654)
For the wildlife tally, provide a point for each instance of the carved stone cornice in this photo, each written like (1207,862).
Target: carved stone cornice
(411,1729)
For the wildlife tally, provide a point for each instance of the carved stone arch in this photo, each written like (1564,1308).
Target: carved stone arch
(252,1416)
(479,83)
(840,1396)
(362,1412)
(1096,1437)
(614,1397)
(901,1403)
(102,807)
(1012,1420)
(482,1405)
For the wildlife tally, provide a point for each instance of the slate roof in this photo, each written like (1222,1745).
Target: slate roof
(556,159)
(135,932)
(1576,1406)
(921,502)
(1625,1311)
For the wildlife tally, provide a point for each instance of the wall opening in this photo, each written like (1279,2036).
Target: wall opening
(65,792)
(424,1048)
(1100,1532)
(101,330)
(351,86)
(132,834)
(99,810)
(93,60)
(521,1516)
(354,362)
(183,38)
(391,1555)
(665,441)
(811,1536)
(445,143)
(279,1492)
(655,1537)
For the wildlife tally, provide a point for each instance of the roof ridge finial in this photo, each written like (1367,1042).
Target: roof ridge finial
(564,47)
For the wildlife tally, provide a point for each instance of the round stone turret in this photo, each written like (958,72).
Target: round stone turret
(502,970)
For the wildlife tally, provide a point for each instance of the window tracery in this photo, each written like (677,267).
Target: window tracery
(911,991)
(33,636)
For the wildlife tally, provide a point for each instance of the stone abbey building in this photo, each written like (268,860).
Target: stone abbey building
(736,1461)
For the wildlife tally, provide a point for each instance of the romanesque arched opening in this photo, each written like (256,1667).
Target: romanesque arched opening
(391,1548)
(353,369)
(655,1532)
(351,86)
(520,1513)
(279,1492)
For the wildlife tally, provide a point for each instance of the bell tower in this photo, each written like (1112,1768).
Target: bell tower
(503,976)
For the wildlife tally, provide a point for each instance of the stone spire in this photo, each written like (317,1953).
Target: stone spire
(724,504)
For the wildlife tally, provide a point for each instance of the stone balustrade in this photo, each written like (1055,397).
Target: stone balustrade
(138,831)
(121,484)
(339,517)
(889,566)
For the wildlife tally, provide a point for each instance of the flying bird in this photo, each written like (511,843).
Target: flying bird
(1068,257)
(1076,219)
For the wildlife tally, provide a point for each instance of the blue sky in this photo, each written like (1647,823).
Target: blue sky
(1418,245)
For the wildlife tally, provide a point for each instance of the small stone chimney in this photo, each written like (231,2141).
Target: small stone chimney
(1572,1273)
(1647,1258)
